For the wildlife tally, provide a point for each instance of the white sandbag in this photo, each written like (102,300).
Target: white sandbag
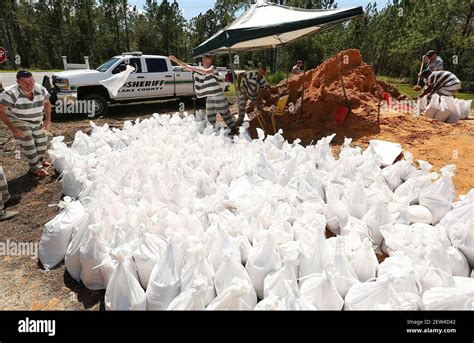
(313,256)
(163,285)
(399,211)
(462,237)
(356,200)
(458,262)
(376,218)
(72,260)
(193,298)
(392,175)
(411,189)
(229,270)
(419,214)
(421,105)
(462,213)
(437,108)
(275,282)
(115,82)
(431,277)
(365,263)
(444,110)
(396,261)
(465,283)
(124,292)
(341,269)
(73,180)
(464,107)
(58,152)
(335,211)
(447,299)
(263,259)
(355,225)
(222,242)
(196,266)
(233,297)
(92,255)
(147,248)
(293,301)
(439,196)
(387,151)
(271,303)
(320,290)
(57,232)
(459,108)
(374,293)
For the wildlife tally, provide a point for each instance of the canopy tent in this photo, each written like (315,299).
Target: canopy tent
(268,25)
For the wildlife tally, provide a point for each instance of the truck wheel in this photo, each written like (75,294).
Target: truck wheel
(101,106)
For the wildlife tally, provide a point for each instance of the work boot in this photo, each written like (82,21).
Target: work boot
(234,131)
(14,199)
(4,215)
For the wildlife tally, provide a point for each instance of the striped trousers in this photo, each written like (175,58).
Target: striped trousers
(3,189)
(218,104)
(34,143)
(243,99)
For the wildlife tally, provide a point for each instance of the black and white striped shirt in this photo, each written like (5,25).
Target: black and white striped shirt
(208,85)
(20,108)
(443,82)
(250,84)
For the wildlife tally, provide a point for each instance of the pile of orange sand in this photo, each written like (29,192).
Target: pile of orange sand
(314,110)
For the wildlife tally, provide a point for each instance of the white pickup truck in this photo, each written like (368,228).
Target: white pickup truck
(154,78)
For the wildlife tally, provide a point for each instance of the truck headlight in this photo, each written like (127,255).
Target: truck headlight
(62,84)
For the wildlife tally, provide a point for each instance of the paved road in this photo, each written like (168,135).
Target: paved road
(8,79)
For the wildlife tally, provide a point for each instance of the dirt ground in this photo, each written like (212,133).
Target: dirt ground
(25,286)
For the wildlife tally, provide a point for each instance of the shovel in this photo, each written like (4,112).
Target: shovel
(342,112)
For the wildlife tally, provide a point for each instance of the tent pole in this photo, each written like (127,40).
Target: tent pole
(233,77)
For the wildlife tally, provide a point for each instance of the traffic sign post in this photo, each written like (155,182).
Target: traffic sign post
(3,55)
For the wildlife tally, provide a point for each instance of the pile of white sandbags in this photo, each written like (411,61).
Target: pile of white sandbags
(445,108)
(169,214)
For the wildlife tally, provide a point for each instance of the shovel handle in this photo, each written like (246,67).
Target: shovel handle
(421,69)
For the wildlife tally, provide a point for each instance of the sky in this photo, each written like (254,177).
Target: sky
(192,8)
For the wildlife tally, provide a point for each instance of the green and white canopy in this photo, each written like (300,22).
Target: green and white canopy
(268,25)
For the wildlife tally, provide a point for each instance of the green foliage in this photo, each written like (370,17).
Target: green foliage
(275,78)
(392,39)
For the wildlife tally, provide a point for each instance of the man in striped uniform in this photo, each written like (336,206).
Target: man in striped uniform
(6,198)
(207,85)
(248,85)
(22,109)
(440,82)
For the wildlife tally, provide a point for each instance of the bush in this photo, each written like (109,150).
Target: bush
(467,86)
(273,79)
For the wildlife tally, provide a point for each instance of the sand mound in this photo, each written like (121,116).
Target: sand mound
(313,107)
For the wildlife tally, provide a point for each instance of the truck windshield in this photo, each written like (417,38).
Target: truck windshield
(104,67)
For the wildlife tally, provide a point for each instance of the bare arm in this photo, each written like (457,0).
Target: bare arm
(4,117)
(200,70)
(426,91)
(47,112)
